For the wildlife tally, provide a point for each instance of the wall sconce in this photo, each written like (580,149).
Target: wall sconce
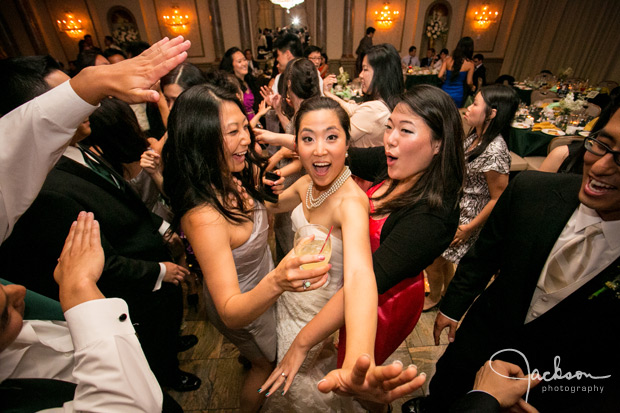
(70,25)
(177,22)
(484,17)
(386,17)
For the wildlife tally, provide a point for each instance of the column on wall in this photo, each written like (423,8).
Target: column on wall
(216,25)
(244,24)
(347,30)
(321,24)
(31,26)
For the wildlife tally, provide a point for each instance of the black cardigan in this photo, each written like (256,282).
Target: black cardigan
(412,237)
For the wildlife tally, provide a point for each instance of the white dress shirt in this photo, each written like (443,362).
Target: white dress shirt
(97,349)
(606,249)
(32,138)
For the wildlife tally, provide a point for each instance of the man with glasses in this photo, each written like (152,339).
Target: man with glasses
(553,245)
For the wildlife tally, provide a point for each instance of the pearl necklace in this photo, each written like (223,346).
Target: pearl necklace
(311,202)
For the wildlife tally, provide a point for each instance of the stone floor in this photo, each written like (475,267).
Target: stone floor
(214,360)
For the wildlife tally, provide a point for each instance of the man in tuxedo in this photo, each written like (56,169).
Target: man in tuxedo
(553,243)
(480,72)
(430,58)
(138,265)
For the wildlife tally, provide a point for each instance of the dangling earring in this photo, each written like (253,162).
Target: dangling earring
(346,154)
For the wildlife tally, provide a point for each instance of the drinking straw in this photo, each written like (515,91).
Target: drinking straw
(326,238)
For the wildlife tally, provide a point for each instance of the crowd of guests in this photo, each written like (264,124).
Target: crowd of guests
(170,165)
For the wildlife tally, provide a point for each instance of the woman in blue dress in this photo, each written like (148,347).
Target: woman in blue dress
(458,70)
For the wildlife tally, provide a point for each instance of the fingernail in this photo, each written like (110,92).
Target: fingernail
(365,354)
(412,365)
(321,257)
(82,213)
(267,395)
(321,381)
(423,374)
(451,340)
(398,362)
(282,393)
(260,390)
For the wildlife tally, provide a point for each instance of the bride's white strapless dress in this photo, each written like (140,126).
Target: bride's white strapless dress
(293,312)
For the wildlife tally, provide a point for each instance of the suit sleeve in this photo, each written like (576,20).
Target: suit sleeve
(111,371)
(475,402)
(33,138)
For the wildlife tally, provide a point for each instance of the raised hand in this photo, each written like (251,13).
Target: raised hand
(131,80)
(80,263)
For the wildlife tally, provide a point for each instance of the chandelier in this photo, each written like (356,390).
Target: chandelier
(287,4)
(386,17)
(70,25)
(485,17)
(177,22)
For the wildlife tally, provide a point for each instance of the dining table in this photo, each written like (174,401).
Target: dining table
(421,79)
(525,142)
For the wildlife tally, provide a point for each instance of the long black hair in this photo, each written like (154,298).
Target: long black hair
(196,171)
(387,80)
(304,81)
(444,177)
(185,75)
(505,101)
(115,130)
(464,50)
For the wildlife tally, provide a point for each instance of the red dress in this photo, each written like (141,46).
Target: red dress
(399,308)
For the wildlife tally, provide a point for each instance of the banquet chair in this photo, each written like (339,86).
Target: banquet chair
(534,162)
(609,84)
(592,109)
(539,95)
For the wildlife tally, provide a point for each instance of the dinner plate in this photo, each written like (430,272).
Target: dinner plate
(554,132)
(520,125)
(584,133)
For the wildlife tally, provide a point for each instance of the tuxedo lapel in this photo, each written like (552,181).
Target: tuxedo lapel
(124,193)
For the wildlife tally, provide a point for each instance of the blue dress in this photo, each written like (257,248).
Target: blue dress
(455,88)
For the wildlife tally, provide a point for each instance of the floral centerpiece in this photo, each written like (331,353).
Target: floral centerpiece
(125,34)
(343,78)
(435,27)
(569,105)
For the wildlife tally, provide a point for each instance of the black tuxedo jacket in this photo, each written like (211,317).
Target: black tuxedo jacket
(515,244)
(132,244)
(480,73)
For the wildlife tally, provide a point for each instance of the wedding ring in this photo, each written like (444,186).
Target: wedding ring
(307,284)
(283,375)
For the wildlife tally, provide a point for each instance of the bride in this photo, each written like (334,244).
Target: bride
(326,196)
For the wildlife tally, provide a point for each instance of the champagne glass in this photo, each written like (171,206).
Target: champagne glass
(306,244)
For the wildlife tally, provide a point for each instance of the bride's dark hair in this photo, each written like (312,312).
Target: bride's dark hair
(196,172)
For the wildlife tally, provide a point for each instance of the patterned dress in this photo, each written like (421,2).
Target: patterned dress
(496,157)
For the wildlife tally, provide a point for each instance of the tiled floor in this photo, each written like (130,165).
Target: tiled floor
(214,360)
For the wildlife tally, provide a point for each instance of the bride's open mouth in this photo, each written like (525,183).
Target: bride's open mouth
(321,168)
(239,156)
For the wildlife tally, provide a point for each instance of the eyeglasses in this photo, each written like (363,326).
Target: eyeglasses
(598,148)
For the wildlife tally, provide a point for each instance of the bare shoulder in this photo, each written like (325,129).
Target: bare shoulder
(352,198)
(201,216)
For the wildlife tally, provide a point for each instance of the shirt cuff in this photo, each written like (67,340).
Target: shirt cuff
(160,278)
(96,319)
(163,227)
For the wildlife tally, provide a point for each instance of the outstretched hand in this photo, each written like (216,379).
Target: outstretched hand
(381,384)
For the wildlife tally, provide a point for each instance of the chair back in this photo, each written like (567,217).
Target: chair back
(592,109)
(609,84)
(539,95)
(562,140)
